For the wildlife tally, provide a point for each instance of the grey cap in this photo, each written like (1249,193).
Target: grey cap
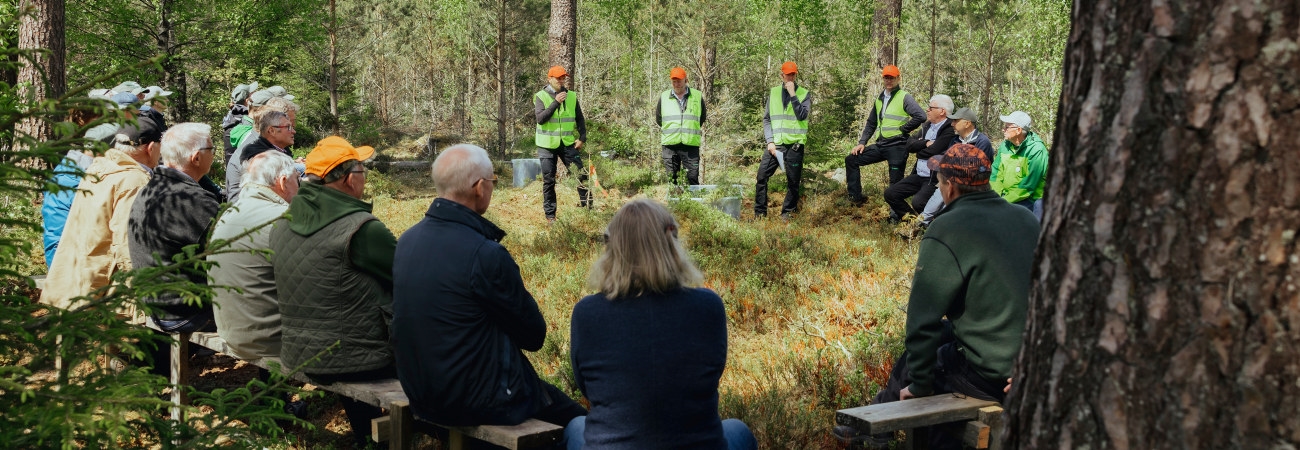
(124,99)
(1017,118)
(280,91)
(964,114)
(129,86)
(153,92)
(259,98)
(240,93)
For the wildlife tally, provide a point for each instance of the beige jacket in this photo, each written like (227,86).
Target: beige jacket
(94,242)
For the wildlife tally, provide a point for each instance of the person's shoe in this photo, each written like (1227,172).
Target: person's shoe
(550,220)
(297,409)
(785,217)
(855,201)
(856,440)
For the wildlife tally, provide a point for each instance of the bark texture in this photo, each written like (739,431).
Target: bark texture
(1165,311)
(889,14)
(43,76)
(562,36)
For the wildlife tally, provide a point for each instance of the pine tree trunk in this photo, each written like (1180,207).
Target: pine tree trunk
(333,69)
(562,36)
(43,77)
(885,30)
(1164,312)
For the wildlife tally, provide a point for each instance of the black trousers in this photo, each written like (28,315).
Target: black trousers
(894,152)
(675,156)
(571,158)
(952,376)
(793,174)
(918,187)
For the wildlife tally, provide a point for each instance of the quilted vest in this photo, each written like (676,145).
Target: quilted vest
(324,299)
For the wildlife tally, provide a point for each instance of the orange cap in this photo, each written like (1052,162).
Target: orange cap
(789,68)
(890,71)
(677,73)
(332,151)
(556,72)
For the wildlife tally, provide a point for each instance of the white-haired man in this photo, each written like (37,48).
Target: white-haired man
(93,245)
(934,137)
(248,319)
(461,313)
(174,211)
(262,104)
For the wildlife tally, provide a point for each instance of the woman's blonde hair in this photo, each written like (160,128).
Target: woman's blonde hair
(642,254)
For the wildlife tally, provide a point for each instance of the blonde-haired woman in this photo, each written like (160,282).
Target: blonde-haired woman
(648,349)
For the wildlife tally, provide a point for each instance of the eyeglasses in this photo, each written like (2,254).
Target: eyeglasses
(887,77)
(1009,126)
(932,108)
(283,127)
(493,180)
(208,148)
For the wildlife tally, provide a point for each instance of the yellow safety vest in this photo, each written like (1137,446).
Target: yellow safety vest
(786,128)
(890,120)
(559,128)
(680,127)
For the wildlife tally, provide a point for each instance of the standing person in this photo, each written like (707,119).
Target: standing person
(94,244)
(174,211)
(462,317)
(970,295)
(933,139)
(892,119)
(963,123)
(785,127)
(333,263)
(680,113)
(1020,167)
(561,132)
(648,349)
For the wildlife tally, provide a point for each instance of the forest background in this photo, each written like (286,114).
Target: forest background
(815,307)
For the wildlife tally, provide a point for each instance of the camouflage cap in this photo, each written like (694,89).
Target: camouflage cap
(966,164)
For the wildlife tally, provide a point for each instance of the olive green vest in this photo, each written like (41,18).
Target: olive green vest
(559,128)
(680,127)
(324,299)
(786,128)
(890,120)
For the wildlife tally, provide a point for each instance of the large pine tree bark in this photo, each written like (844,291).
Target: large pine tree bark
(43,76)
(889,14)
(562,36)
(1165,310)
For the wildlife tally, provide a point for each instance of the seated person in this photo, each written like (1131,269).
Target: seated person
(648,350)
(333,276)
(974,270)
(248,319)
(461,314)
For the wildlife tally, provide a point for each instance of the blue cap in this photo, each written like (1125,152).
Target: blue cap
(125,99)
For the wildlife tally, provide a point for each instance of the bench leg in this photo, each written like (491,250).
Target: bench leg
(455,440)
(992,416)
(916,439)
(180,370)
(402,434)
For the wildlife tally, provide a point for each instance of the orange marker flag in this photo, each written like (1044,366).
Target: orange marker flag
(595,181)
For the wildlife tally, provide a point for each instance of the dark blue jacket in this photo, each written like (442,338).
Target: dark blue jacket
(650,366)
(461,318)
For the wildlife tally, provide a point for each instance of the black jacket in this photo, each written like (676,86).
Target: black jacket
(945,138)
(170,213)
(461,318)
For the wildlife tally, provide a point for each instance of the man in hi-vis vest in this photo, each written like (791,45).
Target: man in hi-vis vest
(892,119)
(561,130)
(785,126)
(680,113)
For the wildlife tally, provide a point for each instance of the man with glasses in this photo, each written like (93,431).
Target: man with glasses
(964,123)
(893,117)
(934,138)
(1020,166)
(333,263)
(263,104)
(175,210)
(462,316)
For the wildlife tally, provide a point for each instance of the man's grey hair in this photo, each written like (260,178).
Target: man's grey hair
(266,168)
(944,102)
(458,167)
(183,140)
(271,119)
(274,104)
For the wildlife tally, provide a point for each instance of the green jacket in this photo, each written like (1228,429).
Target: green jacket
(372,246)
(974,268)
(1020,172)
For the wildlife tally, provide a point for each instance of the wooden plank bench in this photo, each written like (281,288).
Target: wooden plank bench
(387,394)
(983,419)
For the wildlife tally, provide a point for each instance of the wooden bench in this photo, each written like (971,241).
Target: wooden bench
(983,419)
(387,394)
